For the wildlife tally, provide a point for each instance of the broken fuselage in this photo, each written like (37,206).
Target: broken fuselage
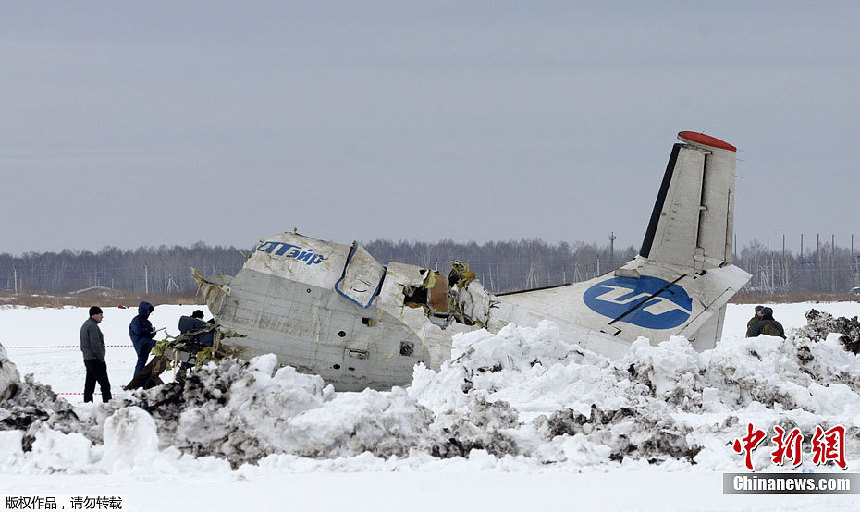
(333,310)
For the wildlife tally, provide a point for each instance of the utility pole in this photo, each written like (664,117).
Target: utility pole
(832,262)
(146,278)
(783,268)
(15,271)
(772,289)
(611,249)
(854,265)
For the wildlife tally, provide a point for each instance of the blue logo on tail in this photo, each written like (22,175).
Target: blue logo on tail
(670,308)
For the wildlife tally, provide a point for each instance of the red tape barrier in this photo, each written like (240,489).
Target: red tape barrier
(65,346)
(81,394)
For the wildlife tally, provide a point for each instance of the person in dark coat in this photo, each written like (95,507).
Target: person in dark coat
(141,332)
(767,325)
(754,320)
(193,323)
(93,349)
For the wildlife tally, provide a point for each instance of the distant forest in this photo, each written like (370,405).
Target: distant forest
(501,266)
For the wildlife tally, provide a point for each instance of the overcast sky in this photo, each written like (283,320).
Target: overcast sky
(141,124)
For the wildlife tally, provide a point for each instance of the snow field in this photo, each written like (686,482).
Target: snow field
(518,414)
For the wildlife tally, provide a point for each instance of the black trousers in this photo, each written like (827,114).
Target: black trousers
(96,372)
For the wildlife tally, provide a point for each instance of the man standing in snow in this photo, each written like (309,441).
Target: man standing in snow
(754,320)
(93,348)
(767,325)
(141,332)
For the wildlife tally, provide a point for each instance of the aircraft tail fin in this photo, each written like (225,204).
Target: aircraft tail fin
(691,224)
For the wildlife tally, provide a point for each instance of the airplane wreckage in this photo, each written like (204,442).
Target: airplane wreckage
(333,310)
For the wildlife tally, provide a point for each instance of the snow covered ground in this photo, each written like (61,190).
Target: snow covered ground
(521,420)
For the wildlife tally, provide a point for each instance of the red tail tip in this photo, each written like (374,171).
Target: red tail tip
(707,140)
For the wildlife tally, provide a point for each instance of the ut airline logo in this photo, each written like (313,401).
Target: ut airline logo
(670,307)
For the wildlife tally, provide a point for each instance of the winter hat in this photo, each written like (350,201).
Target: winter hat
(758,308)
(766,311)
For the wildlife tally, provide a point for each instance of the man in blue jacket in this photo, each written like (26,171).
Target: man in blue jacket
(141,332)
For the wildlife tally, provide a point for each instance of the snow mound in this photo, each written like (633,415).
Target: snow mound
(523,395)
(26,407)
(129,438)
(57,451)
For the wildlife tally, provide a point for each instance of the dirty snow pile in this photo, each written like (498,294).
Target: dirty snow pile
(521,398)
(26,408)
(821,323)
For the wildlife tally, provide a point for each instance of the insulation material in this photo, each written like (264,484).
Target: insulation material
(474,302)
(439,295)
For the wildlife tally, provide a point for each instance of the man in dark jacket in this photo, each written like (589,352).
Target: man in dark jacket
(767,325)
(194,323)
(141,332)
(754,320)
(93,349)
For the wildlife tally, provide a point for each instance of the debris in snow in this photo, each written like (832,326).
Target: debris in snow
(484,426)
(626,431)
(33,405)
(819,324)
(523,394)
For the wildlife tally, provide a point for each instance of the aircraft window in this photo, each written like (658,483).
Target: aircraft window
(370,322)
(336,367)
(406,348)
(341,334)
(357,354)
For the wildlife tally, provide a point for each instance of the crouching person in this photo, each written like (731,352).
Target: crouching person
(767,326)
(93,349)
(195,334)
(191,325)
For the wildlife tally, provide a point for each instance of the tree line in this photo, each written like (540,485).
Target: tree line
(501,265)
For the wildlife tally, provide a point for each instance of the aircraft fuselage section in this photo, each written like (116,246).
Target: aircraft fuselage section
(315,330)
(332,309)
